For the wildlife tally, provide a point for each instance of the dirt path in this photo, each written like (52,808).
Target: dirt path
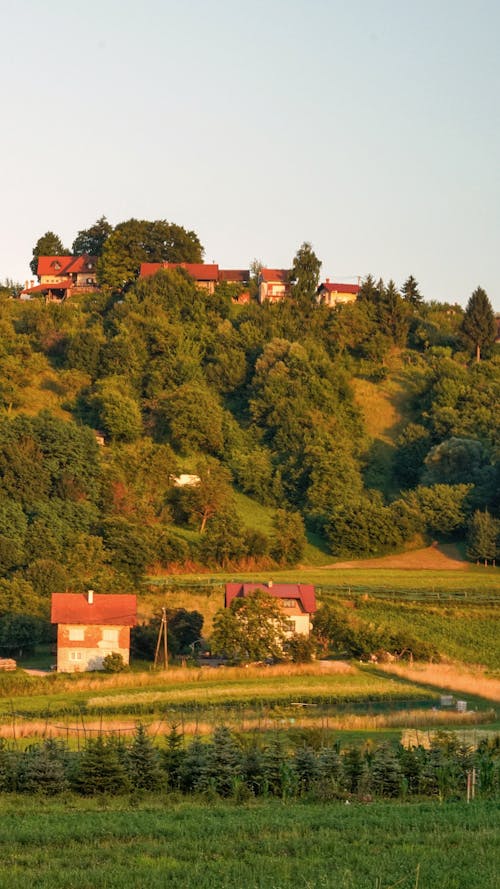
(444,557)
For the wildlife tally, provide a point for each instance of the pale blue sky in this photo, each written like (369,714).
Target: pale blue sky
(369,127)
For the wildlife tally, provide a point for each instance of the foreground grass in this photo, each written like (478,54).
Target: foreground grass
(267,845)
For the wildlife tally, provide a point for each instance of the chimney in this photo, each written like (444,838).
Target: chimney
(328,280)
(32,283)
(90,597)
(26,285)
(269,584)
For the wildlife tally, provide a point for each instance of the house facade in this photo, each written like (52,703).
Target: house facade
(89,627)
(274,285)
(297,600)
(332,293)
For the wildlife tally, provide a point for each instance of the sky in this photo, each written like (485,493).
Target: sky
(369,128)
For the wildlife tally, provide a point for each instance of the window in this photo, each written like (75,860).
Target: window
(288,603)
(76,634)
(109,635)
(76,655)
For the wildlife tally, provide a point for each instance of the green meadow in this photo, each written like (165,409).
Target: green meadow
(138,842)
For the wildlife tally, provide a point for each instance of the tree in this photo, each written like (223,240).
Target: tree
(252,628)
(211,496)
(49,244)
(441,507)
(478,325)
(410,292)
(138,240)
(91,240)
(18,634)
(482,537)
(289,537)
(305,275)
(144,762)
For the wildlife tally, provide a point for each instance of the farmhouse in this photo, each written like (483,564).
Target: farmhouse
(297,600)
(62,276)
(91,626)
(334,294)
(206,275)
(274,285)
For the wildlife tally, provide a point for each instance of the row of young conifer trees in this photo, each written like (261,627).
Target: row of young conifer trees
(225,766)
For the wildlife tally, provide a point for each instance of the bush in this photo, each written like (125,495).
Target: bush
(114,663)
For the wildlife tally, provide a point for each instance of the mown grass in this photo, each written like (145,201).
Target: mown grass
(200,688)
(113,844)
(469,634)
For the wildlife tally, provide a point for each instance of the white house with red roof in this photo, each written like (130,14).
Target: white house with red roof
(90,626)
(274,285)
(61,276)
(297,600)
(332,293)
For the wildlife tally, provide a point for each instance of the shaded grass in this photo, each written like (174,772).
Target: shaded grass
(111,844)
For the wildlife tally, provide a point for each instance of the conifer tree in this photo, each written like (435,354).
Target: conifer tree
(173,757)
(42,769)
(385,772)
(100,769)
(276,767)
(192,767)
(223,763)
(306,768)
(8,767)
(253,769)
(478,326)
(144,762)
(330,773)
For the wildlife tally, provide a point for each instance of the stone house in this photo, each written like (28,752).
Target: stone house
(90,626)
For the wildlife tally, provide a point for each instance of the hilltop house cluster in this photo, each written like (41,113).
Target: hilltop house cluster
(91,626)
(60,277)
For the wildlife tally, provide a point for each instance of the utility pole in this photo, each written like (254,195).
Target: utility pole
(162,633)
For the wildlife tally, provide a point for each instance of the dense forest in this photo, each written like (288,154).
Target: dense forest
(257,399)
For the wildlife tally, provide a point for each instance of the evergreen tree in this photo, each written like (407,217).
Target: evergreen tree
(101,770)
(276,771)
(252,768)
(478,325)
(385,772)
(330,773)
(173,757)
(354,770)
(144,762)
(306,768)
(410,292)
(43,769)
(192,767)
(482,537)
(223,763)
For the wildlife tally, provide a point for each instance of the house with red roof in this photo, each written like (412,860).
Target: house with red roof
(205,274)
(332,293)
(297,600)
(62,276)
(90,626)
(274,285)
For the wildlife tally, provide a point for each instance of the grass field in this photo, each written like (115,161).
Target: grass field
(129,844)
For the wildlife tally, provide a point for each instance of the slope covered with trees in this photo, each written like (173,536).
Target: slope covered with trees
(252,399)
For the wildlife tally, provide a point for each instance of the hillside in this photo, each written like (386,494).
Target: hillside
(317,436)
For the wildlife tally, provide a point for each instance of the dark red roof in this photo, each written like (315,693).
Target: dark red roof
(339,288)
(41,288)
(304,592)
(74,608)
(200,271)
(281,275)
(67,265)
(236,276)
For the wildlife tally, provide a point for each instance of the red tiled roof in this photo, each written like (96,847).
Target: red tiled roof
(281,275)
(74,608)
(41,288)
(236,276)
(67,264)
(200,271)
(339,288)
(304,592)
